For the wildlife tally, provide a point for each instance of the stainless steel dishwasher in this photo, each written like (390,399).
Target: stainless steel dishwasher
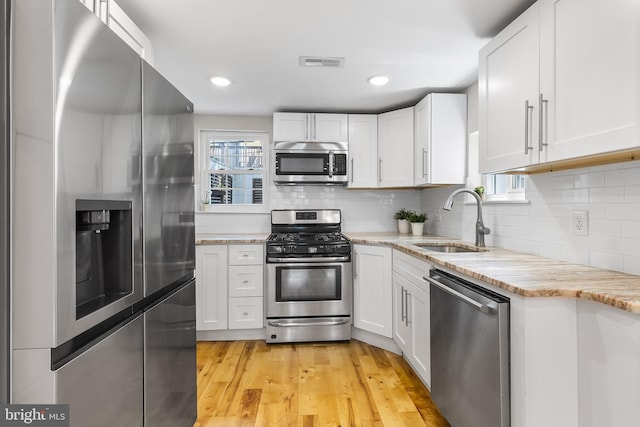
(469,352)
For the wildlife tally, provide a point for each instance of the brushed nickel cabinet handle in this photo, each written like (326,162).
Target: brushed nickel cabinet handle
(527,107)
(352,170)
(541,123)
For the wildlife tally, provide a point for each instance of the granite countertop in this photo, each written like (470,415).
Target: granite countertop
(223,239)
(519,273)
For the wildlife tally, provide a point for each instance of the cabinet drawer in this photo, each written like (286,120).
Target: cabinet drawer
(246,254)
(411,268)
(245,280)
(246,313)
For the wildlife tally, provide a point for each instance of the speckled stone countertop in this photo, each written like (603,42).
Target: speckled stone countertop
(519,273)
(223,239)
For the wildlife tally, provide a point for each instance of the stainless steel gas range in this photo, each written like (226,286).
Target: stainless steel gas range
(309,282)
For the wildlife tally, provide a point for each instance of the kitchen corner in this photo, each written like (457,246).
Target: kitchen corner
(568,323)
(519,273)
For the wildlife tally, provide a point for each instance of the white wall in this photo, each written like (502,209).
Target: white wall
(610,194)
(362,210)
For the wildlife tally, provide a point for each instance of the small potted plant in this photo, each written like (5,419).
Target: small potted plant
(403,220)
(480,191)
(417,223)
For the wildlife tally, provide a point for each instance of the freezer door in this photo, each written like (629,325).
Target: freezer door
(169,228)
(97,157)
(104,385)
(170,360)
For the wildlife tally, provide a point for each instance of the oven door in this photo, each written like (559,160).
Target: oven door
(308,287)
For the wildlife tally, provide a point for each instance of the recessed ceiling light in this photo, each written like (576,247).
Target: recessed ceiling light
(378,80)
(220,81)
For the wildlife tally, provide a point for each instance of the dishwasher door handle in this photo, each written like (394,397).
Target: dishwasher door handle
(478,305)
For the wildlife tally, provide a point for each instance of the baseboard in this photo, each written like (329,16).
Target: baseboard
(231,335)
(375,340)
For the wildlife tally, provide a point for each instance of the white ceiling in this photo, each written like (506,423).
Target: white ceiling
(423,45)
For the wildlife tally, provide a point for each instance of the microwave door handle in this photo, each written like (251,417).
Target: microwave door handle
(331,164)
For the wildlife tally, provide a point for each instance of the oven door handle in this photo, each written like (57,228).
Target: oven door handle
(280,324)
(309,260)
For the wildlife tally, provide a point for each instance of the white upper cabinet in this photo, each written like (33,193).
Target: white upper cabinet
(395,148)
(440,137)
(559,83)
(590,75)
(114,17)
(507,94)
(363,150)
(310,127)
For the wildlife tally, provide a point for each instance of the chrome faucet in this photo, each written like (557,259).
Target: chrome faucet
(481,230)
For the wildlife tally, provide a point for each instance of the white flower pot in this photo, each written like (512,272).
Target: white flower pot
(417,228)
(403,226)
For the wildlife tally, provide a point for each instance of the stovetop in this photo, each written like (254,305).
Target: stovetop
(307,238)
(307,232)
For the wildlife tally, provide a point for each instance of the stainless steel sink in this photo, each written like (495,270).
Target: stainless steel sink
(447,247)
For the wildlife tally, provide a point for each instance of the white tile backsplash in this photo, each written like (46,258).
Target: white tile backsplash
(610,193)
(362,210)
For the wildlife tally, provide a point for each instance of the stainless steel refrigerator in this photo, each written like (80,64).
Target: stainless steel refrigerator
(169,253)
(102,225)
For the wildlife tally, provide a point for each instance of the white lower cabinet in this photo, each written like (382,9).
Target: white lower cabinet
(411,322)
(372,307)
(211,287)
(229,287)
(246,282)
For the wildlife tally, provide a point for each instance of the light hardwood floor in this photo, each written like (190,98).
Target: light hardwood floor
(250,383)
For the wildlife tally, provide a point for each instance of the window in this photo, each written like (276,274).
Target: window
(504,187)
(498,187)
(234,170)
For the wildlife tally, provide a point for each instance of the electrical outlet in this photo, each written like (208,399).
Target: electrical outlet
(437,215)
(580,223)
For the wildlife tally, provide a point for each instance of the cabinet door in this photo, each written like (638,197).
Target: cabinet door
(589,53)
(246,313)
(211,287)
(508,98)
(246,280)
(440,136)
(330,127)
(401,325)
(419,351)
(395,148)
(363,150)
(291,126)
(246,254)
(372,306)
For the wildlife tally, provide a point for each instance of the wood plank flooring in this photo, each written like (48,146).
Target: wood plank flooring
(250,383)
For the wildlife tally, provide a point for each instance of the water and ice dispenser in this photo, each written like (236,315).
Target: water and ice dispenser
(104,253)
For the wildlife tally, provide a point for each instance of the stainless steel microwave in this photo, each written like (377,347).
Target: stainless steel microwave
(310,163)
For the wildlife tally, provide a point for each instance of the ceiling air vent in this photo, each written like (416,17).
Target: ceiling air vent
(317,61)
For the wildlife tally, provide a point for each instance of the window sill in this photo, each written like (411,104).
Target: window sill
(221,209)
(500,202)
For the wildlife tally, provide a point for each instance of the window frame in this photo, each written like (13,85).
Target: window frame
(203,170)
(475,178)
